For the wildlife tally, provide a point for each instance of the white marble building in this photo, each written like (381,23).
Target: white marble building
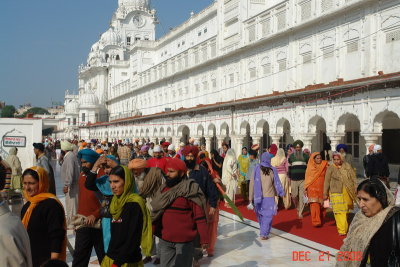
(247,71)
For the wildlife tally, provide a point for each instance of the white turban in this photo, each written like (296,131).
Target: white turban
(157,149)
(66,146)
(171,147)
(376,148)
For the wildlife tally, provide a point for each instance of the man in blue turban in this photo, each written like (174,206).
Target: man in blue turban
(87,220)
(88,155)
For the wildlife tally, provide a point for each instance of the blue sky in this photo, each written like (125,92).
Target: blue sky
(42,42)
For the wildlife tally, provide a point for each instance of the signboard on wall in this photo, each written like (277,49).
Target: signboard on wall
(14,141)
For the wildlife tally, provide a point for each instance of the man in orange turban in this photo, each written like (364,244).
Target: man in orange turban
(139,169)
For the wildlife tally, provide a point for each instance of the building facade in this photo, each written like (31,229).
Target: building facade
(247,71)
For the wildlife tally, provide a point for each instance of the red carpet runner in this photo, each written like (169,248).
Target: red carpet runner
(286,220)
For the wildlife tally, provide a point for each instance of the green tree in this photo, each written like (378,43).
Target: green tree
(35,110)
(8,111)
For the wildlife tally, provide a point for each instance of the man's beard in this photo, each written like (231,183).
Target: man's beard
(299,155)
(140,177)
(172,182)
(85,170)
(190,164)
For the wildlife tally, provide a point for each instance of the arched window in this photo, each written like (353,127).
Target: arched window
(266,66)
(117,57)
(252,70)
(107,57)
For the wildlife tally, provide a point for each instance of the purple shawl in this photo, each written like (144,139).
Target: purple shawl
(265,162)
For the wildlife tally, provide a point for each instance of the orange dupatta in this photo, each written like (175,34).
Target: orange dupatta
(41,196)
(314,171)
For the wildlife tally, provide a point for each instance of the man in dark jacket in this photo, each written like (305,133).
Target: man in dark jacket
(203,178)
(378,166)
(367,158)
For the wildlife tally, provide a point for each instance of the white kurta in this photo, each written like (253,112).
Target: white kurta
(69,175)
(229,174)
(15,249)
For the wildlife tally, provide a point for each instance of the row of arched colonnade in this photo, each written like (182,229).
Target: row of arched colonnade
(358,126)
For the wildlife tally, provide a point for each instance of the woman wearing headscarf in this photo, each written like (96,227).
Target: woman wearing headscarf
(98,180)
(340,187)
(131,224)
(43,217)
(375,229)
(314,186)
(230,174)
(264,187)
(244,162)
(16,169)
(281,164)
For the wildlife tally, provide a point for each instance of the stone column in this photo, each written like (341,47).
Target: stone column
(220,139)
(307,138)
(370,139)
(276,139)
(238,144)
(257,141)
(176,141)
(208,142)
(336,139)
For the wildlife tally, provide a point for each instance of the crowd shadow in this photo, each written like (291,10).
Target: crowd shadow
(225,229)
(239,241)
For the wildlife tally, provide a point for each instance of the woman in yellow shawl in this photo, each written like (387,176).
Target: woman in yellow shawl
(43,217)
(244,162)
(314,186)
(340,187)
(131,229)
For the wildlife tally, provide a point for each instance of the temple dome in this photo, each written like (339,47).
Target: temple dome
(88,100)
(110,37)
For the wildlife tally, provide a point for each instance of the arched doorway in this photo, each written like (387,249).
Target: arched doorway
(184,133)
(388,123)
(284,128)
(225,133)
(212,132)
(350,125)
(245,130)
(317,125)
(263,130)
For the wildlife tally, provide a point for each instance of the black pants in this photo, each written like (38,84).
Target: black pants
(86,239)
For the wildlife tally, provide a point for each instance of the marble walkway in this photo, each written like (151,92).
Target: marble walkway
(239,245)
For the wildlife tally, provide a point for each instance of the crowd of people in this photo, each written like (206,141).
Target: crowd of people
(141,202)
